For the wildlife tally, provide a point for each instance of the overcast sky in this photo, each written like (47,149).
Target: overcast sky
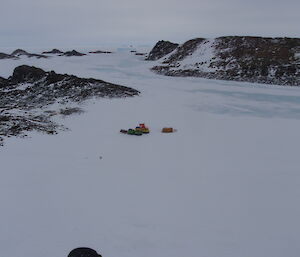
(92,22)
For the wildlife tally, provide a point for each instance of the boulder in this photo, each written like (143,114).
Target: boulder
(27,73)
(83,252)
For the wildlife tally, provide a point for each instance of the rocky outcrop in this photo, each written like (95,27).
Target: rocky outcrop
(30,89)
(21,52)
(100,52)
(84,252)
(161,49)
(19,89)
(26,74)
(7,56)
(3,82)
(53,51)
(252,59)
(185,50)
(73,53)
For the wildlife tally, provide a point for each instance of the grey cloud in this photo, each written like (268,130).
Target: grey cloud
(63,22)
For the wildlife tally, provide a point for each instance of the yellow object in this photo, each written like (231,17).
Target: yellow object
(144,130)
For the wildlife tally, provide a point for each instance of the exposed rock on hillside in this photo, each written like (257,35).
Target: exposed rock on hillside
(53,51)
(7,56)
(3,82)
(20,52)
(252,59)
(185,50)
(161,49)
(25,98)
(100,52)
(73,53)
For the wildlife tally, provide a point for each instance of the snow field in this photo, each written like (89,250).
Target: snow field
(225,184)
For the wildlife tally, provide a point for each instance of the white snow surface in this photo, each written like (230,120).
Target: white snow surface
(226,184)
(202,55)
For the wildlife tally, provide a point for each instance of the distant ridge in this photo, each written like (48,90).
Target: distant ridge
(16,54)
(100,52)
(53,51)
(73,53)
(20,52)
(7,56)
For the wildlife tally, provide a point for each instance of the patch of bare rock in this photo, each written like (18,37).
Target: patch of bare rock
(251,59)
(26,98)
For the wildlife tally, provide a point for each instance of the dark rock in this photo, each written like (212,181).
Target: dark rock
(16,125)
(4,118)
(38,56)
(26,73)
(6,56)
(185,50)
(161,49)
(53,51)
(256,57)
(31,88)
(251,59)
(100,52)
(20,52)
(70,111)
(51,86)
(73,53)
(3,82)
(83,252)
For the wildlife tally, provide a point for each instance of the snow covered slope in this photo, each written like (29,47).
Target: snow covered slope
(252,59)
(226,184)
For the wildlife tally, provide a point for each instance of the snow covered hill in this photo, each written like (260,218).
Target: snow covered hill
(252,59)
(226,184)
